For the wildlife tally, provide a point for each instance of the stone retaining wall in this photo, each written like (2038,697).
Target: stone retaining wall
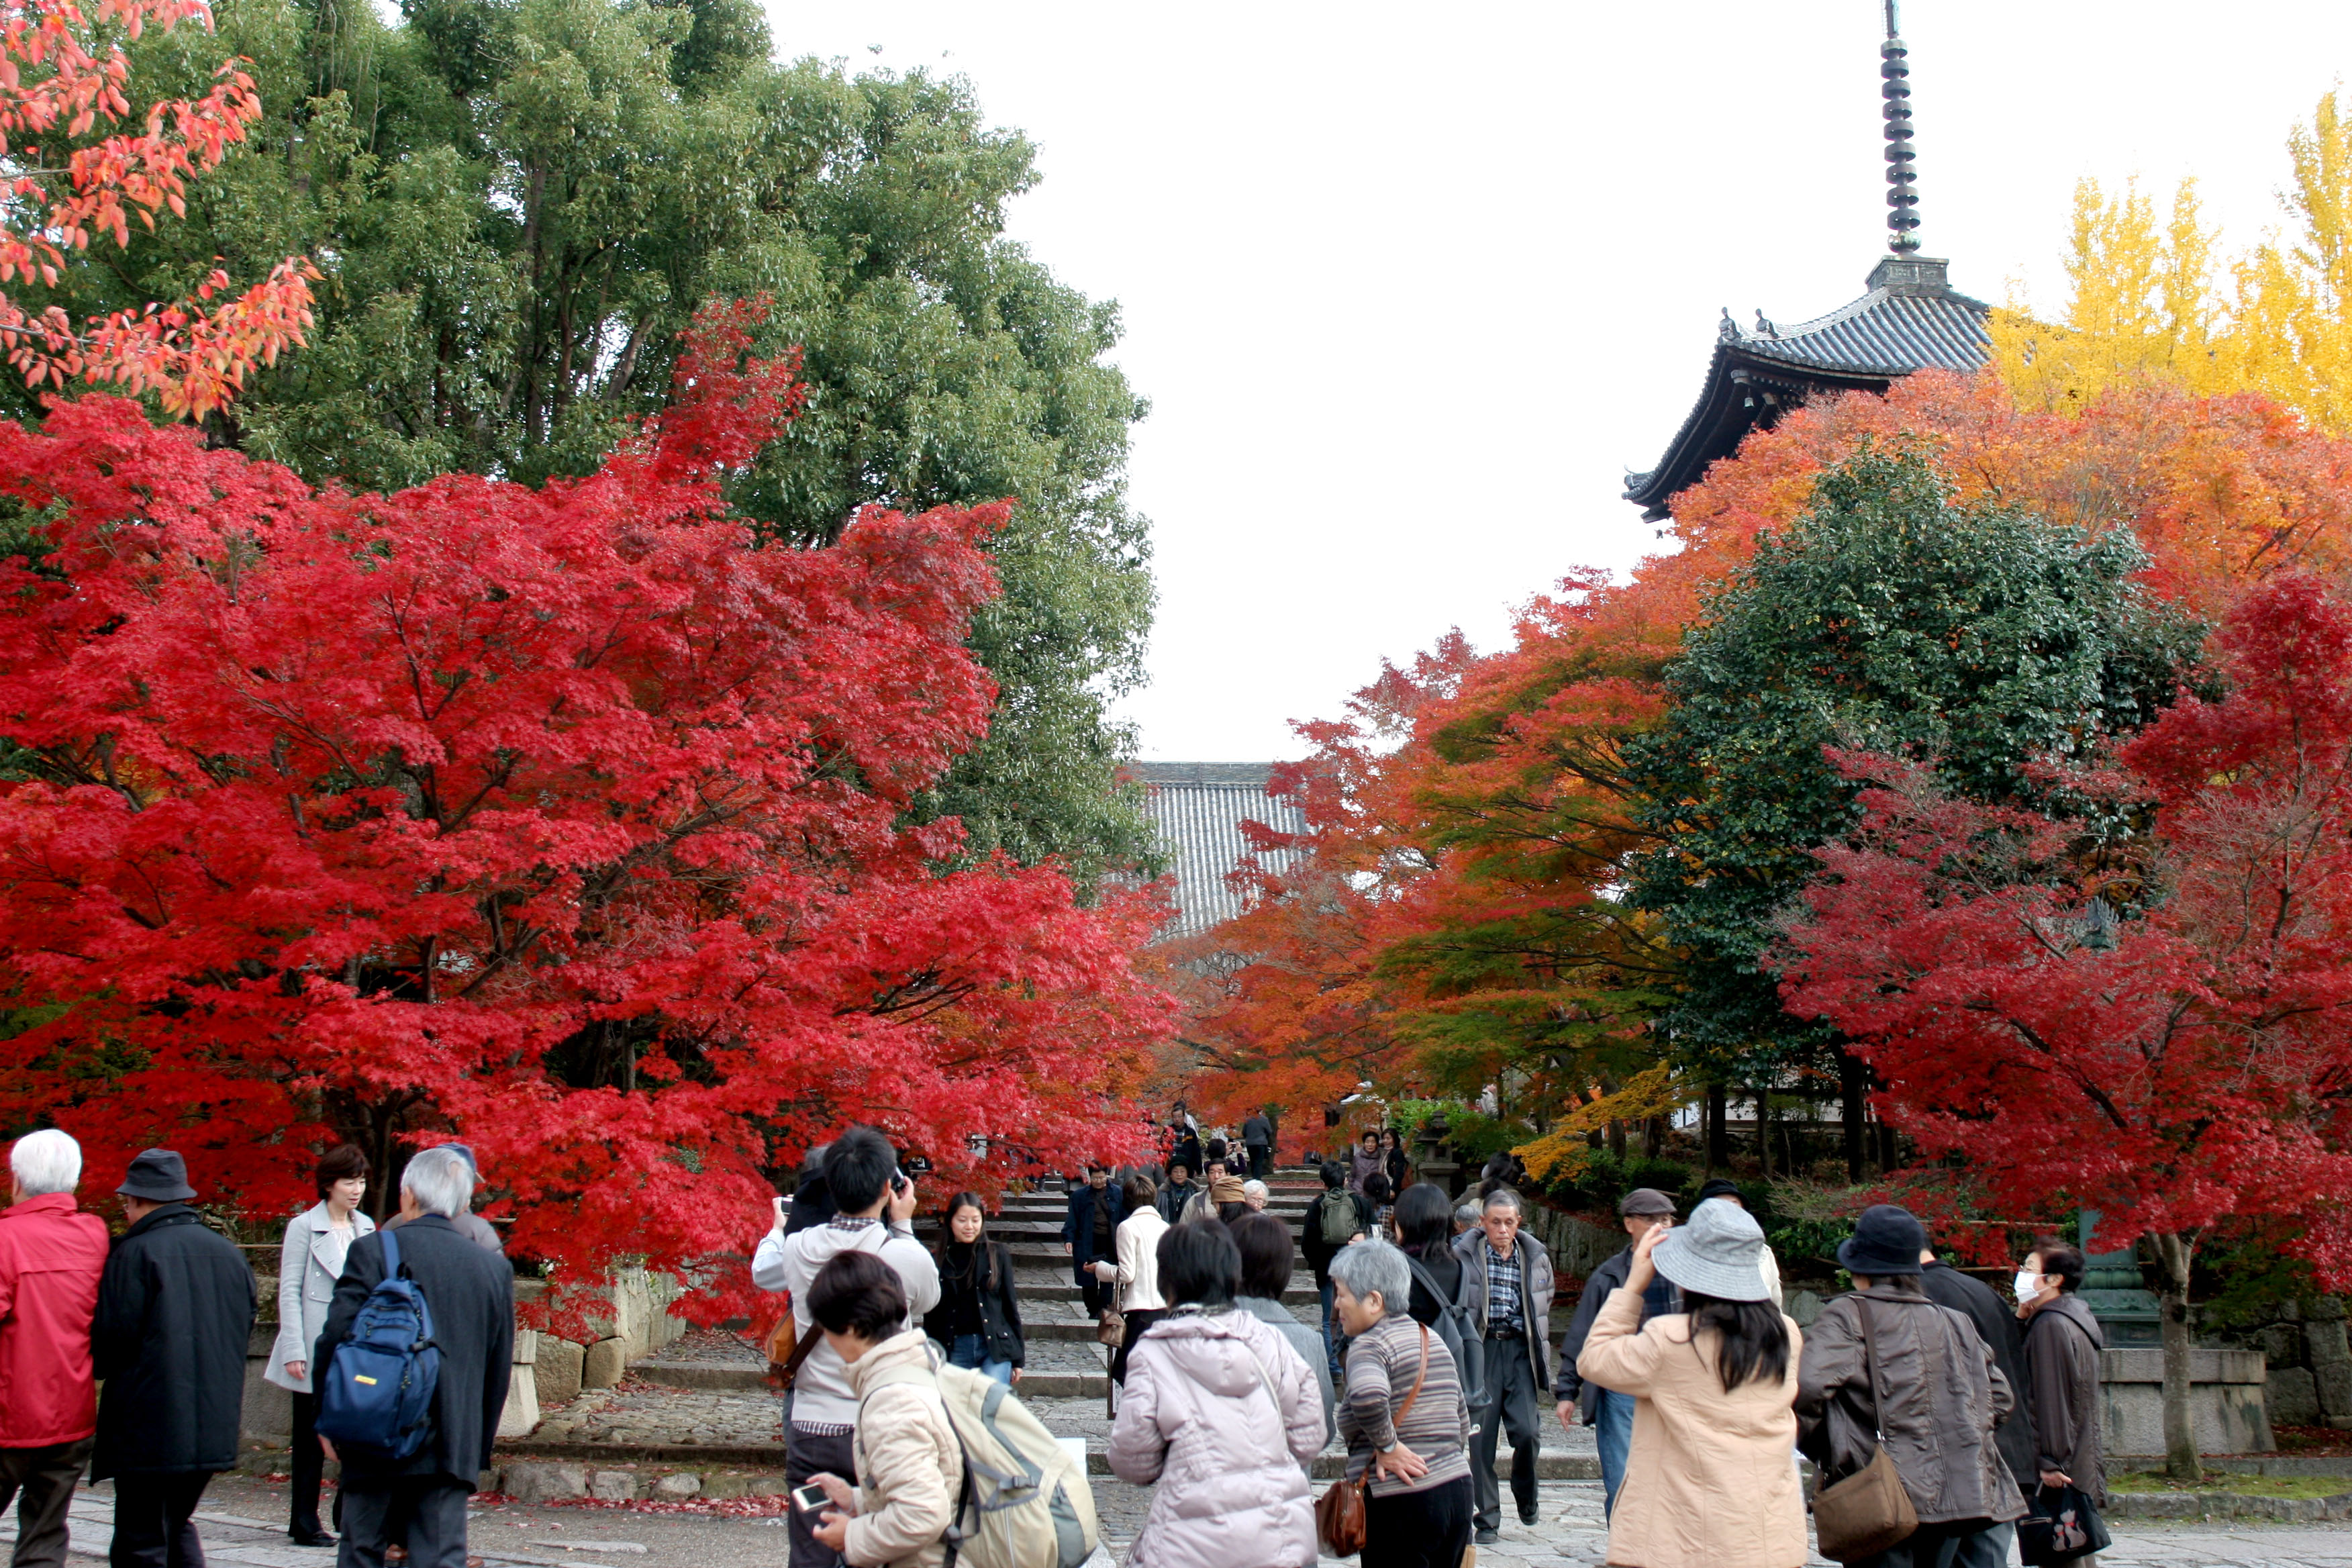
(2302,1343)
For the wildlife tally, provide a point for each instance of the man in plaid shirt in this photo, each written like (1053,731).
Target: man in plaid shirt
(1506,1284)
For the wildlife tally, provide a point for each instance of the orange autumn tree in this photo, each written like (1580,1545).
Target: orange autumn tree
(1453,915)
(80,165)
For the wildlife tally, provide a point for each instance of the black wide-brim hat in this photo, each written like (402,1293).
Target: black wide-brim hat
(1886,1240)
(158,1176)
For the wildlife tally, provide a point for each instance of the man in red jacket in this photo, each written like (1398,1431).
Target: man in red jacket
(51,1256)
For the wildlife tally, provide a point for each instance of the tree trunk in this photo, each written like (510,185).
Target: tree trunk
(1617,1137)
(1718,1129)
(1852,1087)
(2180,1459)
(1764,1133)
(1888,1155)
(1654,1137)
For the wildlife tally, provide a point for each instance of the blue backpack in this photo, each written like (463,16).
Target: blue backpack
(376,1395)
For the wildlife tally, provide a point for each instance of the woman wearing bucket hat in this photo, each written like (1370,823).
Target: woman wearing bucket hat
(1887,1368)
(1709,1483)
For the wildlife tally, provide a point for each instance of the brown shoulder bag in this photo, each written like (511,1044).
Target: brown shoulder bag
(1868,1511)
(786,1350)
(1339,1513)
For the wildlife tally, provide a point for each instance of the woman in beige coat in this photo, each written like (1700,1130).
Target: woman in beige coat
(1712,1478)
(909,1465)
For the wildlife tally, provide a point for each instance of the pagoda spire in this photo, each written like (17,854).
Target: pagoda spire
(1902,175)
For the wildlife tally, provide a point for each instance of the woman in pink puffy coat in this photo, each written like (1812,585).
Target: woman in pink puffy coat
(1222,1413)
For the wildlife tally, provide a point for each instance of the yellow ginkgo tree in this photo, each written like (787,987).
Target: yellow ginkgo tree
(2153,296)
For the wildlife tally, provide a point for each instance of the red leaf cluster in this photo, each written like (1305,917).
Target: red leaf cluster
(2193,1061)
(562,819)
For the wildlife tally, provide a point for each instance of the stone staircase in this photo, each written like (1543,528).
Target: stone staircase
(1065,1359)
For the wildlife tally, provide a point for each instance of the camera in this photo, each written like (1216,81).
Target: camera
(811,1499)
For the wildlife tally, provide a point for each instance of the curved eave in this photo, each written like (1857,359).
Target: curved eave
(1722,416)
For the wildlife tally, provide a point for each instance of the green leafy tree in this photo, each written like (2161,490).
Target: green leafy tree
(1887,617)
(518,205)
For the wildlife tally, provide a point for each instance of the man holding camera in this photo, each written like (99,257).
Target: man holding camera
(876,1213)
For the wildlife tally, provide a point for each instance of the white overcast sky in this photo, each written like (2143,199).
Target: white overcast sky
(1410,287)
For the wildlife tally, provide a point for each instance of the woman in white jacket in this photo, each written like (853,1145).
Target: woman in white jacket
(309,1264)
(1137,1272)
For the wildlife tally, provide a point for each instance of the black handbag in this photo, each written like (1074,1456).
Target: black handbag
(2061,1527)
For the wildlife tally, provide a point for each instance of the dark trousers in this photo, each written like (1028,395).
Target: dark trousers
(152,1527)
(427,1514)
(1136,1323)
(1260,1161)
(309,1462)
(1971,1543)
(1509,1411)
(809,1454)
(1092,1291)
(42,1482)
(1419,1530)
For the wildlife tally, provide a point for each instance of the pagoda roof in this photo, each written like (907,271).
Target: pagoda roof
(1912,318)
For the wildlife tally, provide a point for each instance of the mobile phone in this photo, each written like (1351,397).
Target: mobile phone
(811,1499)
(898,1182)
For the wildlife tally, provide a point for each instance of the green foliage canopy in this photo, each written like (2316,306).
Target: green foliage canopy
(1887,618)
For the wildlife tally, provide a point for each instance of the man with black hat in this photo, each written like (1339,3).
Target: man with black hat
(1887,1360)
(1642,1210)
(175,1314)
(1997,1326)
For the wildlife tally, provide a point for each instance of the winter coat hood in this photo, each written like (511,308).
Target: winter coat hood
(2072,1308)
(1223,1415)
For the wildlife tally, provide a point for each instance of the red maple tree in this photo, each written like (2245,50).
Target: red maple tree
(562,819)
(2187,1063)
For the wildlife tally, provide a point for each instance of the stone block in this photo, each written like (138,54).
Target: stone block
(604,1362)
(2326,1343)
(2291,1395)
(521,1412)
(679,1485)
(526,1349)
(2324,1310)
(530,1483)
(765,1486)
(1802,1307)
(557,1370)
(613,1485)
(2281,1344)
(721,1486)
(2334,1381)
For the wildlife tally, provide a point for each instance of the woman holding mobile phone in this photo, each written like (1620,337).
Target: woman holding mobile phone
(909,1465)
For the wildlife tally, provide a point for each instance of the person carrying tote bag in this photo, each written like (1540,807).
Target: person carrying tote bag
(1891,1381)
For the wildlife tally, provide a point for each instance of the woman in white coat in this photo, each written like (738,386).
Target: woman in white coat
(309,1264)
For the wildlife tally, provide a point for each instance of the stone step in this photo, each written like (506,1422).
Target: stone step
(1064,1289)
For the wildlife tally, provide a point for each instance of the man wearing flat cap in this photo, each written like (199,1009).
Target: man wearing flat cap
(1642,1210)
(175,1313)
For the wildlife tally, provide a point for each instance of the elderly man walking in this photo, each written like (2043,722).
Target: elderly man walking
(51,1256)
(175,1313)
(469,1290)
(1507,1283)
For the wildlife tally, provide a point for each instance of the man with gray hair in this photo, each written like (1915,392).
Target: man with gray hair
(1507,1283)
(51,1256)
(470,1292)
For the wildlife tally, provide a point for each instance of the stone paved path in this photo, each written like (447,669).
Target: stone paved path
(242,1525)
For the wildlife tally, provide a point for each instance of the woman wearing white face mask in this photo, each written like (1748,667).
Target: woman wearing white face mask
(2062,1342)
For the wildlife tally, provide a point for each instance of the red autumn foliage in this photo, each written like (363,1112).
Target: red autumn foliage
(562,820)
(63,75)
(2195,1062)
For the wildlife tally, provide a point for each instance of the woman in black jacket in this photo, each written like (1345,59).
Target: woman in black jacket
(1424,1224)
(979,1317)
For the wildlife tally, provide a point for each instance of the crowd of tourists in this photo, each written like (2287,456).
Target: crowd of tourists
(161,1317)
(1937,1417)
